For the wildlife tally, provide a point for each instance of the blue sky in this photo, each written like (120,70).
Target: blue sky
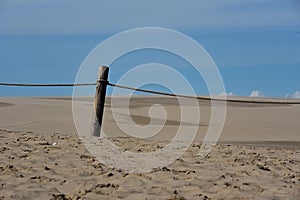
(255,44)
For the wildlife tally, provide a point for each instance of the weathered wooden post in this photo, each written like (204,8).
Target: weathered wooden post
(99,100)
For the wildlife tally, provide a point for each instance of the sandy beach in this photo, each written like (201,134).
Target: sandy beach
(42,156)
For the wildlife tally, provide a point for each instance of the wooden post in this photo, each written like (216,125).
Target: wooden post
(99,100)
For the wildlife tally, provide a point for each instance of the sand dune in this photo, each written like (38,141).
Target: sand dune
(42,157)
(245,122)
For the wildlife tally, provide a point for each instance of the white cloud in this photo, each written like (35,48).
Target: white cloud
(294,95)
(226,94)
(256,93)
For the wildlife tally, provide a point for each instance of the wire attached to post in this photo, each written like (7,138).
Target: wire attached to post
(47,84)
(143,90)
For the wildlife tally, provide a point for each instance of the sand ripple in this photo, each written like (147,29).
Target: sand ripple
(57,166)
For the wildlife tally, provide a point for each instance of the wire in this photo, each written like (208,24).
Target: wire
(205,98)
(47,85)
(155,92)
(146,91)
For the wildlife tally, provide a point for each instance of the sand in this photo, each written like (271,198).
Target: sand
(42,157)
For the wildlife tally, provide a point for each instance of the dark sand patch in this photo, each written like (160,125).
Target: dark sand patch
(3,104)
